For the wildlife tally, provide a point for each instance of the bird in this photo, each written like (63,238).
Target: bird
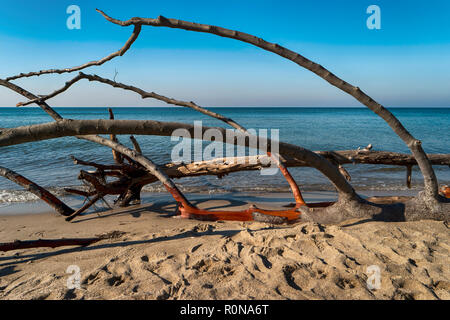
(365,149)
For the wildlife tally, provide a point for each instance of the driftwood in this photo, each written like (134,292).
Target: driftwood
(47,243)
(87,205)
(37,190)
(138,177)
(118,158)
(133,169)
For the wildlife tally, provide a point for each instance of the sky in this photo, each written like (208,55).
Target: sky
(406,63)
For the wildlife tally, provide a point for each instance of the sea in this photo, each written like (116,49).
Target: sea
(48,163)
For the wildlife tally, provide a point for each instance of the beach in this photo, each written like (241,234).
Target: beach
(302,159)
(149,254)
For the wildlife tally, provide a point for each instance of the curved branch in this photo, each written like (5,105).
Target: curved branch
(39,99)
(120,52)
(430,180)
(144,94)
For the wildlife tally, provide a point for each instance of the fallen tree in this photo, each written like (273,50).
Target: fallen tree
(139,169)
(85,127)
(134,178)
(37,190)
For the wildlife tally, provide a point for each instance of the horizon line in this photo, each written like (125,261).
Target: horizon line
(170,106)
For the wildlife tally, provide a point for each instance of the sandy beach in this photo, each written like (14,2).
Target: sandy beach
(139,119)
(148,254)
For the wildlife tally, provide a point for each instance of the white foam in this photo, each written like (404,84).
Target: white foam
(11,196)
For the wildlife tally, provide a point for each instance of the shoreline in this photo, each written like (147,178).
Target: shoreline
(276,198)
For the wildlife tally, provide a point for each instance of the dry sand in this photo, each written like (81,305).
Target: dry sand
(154,256)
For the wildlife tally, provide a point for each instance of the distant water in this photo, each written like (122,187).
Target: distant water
(48,162)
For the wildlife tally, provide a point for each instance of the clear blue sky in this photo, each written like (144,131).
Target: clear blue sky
(406,63)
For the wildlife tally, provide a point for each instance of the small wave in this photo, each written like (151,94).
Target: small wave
(10,196)
(388,169)
(16,196)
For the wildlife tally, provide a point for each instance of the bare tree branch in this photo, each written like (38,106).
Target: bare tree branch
(224,166)
(120,52)
(144,94)
(136,145)
(116,155)
(41,99)
(86,206)
(50,111)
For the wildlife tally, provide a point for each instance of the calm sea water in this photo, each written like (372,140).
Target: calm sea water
(48,162)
